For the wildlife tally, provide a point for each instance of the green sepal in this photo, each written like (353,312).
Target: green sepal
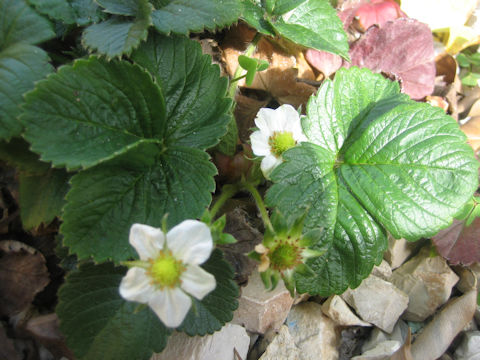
(305,270)
(280,225)
(226,239)
(311,237)
(219,237)
(255,256)
(289,281)
(270,279)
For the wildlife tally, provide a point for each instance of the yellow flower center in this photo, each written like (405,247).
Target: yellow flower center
(285,255)
(280,142)
(165,270)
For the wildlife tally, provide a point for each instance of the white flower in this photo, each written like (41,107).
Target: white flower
(279,130)
(168,271)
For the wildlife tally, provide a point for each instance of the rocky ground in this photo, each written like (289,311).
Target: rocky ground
(413,306)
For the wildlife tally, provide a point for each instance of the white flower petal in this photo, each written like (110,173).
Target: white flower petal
(136,286)
(260,146)
(263,121)
(190,241)
(269,163)
(288,117)
(147,240)
(171,306)
(197,282)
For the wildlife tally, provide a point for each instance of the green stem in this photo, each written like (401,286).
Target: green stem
(260,204)
(136,263)
(228,191)
(239,72)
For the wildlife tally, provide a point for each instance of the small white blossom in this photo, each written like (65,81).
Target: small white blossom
(278,131)
(168,271)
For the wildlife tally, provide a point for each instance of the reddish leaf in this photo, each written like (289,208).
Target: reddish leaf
(369,12)
(459,244)
(324,61)
(403,49)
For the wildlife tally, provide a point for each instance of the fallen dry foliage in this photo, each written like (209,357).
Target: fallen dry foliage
(22,275)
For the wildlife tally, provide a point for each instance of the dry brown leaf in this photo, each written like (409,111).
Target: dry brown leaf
(439,333)
(470,97)
(245,111)
(405,352)
(22,275)
(446,66)
(287,65)
(437,101)
(475,109)
(45,329)
(247,235)
(472,130)
(284,87)
(7,350)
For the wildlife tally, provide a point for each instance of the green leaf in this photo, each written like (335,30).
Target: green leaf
(463,60)
(418,168)
(252,65)
(283,6)
(121,7)
(99,324)
(16,153)
(144,159)
(55,9)
(254,15)
(216,309)
(377,161)
(86,11)
(99,109)
(20,23)
(228,143)
(42,196)
(314,24)
(471,79)
(139,187)
(82,12)
(42,189)
(184,16)
(117,35)
(197,106)
(21,65)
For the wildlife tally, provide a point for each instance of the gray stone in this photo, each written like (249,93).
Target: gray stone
(337,310)
(468,279)
(314,333)
(378,302)
(382,351)
(398,251)
(469,348)
(282,347)
(260,309)
(383,271)
(377,336)
(428,281)
(447,323)
(477,316)
(220,345)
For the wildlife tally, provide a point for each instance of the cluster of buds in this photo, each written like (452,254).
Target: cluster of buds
(284,252)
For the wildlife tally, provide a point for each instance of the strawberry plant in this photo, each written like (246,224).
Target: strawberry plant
(111,108)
